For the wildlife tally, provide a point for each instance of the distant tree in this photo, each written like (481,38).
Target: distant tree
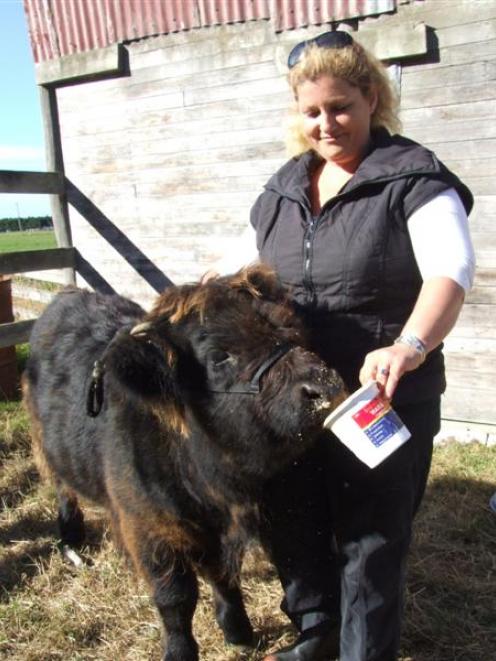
(27,223)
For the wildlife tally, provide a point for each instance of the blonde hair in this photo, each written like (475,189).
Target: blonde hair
(357,67)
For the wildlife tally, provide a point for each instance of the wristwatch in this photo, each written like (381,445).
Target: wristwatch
(414,342)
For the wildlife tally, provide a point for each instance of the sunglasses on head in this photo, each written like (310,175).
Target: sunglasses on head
(336,39)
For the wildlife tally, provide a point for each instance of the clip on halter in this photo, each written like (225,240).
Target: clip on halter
(94,400)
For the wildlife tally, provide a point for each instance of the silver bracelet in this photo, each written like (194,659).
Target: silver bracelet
(414,342)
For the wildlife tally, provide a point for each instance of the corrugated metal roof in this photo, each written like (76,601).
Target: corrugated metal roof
(290,14)
(64,27)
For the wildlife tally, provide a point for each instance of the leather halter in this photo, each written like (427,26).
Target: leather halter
(94,400)
(253,386)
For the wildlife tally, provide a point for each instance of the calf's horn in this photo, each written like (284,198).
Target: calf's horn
(141,329)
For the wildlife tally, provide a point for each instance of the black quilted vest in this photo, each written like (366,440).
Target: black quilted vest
(351,269)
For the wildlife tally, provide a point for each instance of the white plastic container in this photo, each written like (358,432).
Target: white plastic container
(367,425)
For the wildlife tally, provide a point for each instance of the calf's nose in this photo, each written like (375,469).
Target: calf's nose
(332,390)
(313,391)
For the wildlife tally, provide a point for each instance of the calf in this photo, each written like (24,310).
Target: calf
(173,421)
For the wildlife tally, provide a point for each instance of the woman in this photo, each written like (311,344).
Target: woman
(370,232)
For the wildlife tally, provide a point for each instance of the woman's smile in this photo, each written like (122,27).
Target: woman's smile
(336,118)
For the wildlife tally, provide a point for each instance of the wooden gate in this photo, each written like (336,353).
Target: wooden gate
(63,257)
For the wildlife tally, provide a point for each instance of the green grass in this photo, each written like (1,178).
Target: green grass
(35,240)
(22,354)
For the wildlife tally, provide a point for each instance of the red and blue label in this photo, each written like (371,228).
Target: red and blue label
(378,420)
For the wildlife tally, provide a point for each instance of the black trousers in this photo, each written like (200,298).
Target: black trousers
(339,534)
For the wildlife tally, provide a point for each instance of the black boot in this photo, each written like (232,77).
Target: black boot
(311,645)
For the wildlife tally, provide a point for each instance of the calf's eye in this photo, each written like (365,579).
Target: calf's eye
(219,357)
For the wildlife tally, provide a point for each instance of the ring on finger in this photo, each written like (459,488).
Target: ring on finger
(384,371)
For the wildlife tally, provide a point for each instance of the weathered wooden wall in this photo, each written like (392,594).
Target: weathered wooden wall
(174,154)
(449,105)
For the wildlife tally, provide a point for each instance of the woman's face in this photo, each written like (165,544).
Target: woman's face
(336,119)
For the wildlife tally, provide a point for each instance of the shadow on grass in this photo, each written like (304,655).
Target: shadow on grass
(28,529)
(12,495)
(30,542)
(20,564)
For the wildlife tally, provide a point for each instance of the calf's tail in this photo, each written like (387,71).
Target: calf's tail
(36,430)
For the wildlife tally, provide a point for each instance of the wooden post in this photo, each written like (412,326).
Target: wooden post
(8,359)
(55,163)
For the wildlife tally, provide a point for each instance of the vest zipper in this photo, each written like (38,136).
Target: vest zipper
(308,238)
(307,258)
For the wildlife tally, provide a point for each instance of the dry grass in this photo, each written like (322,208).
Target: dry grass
(49,611)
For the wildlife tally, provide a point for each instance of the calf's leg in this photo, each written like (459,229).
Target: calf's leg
(230,611)
(175,597)
(231,614)
(70,518)
(172,580)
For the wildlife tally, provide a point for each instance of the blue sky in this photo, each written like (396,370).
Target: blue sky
(21,133)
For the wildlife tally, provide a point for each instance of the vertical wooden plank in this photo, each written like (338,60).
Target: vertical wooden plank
(55,163)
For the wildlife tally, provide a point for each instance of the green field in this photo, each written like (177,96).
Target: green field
(32,240)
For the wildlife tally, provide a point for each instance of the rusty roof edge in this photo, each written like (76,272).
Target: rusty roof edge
(59,28)
(288,15)
(397,43)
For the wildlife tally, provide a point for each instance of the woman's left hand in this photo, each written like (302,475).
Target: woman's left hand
(387,365)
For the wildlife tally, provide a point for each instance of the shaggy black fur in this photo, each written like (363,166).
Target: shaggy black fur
(179,467)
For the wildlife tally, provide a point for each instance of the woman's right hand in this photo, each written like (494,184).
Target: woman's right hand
(387,365)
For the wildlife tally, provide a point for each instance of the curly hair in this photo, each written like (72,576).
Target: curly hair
(356,66)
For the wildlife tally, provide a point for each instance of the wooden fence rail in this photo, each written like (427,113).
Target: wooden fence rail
(16,332)
(59,188)
(66,257)
(14,181)
(37,260)
(63,257)
(32,260)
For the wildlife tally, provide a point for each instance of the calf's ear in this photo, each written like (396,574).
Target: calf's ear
(261,281)
(144,367)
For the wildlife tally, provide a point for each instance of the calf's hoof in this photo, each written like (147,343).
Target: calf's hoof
(70,555)
(181,650)
(71,525)
(240,637)
(235,626)
(246,645)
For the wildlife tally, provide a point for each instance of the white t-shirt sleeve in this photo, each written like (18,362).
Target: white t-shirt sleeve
(238,252)
(441,239)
